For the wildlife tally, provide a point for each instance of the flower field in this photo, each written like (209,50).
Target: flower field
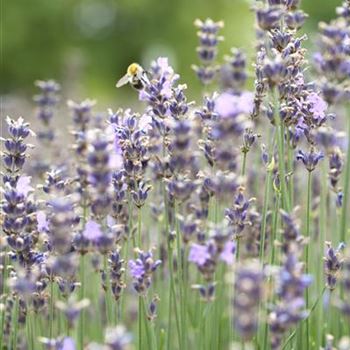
(222,223)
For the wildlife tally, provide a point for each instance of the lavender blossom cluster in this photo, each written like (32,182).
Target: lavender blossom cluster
(217,224)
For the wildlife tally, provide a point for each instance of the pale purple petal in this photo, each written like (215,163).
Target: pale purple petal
(245,102)
(229,105)
(92,230)
(43,224)
(110,221)
(167,89)
(225,105)
(143,95)
(198,254)
(163,64)
(115,161)
(145,122)
(136,269)
(318,59)
(317,105)
(68,344)
(23,185)
(227,255)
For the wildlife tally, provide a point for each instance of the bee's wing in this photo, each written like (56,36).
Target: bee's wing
(144,78)
(122,81)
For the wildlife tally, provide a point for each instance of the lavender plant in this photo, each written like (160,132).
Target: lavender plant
(171,226)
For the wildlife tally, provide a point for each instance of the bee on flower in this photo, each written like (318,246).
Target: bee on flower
(136,76)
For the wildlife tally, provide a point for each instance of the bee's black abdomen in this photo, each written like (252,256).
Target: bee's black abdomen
(137,85)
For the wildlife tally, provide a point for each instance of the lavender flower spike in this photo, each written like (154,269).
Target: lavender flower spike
(141,270)
(311,159)
(333,263)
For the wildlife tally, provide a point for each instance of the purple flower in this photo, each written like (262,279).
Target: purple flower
(23,185)
(227,255)
(68,344)
(161,68)
(229,105)
(81,112)
(92,230)
(46,102)
(207,49)
(207,112)
(247,296)
(233,73)
(268,18)
(117,338)
(199,254)
(291,286)
(136,269)
(60,343)
(71,310)
(14,150)
(99,175)
(62,221)
(160,89)
(142,269)
(43,224)
(317,106)
(311,159)
(333,262)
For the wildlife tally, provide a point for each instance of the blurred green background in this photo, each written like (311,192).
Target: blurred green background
(87,44)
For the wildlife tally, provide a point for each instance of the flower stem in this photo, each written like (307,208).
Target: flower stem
(307,233)
(15,323)
(274,228)
(244,163)
(180,277)
(108,290)
(281,160)
(263,224)
(345,212)
(82,296)
(139,222)
(51,307)
(140,322)
(281,166)
(172,294)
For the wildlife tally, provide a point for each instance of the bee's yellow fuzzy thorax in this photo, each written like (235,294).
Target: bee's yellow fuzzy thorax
(133,69)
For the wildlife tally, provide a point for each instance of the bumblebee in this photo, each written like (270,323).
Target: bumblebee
(136,76)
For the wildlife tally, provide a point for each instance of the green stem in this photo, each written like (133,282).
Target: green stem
(82,296)
(2,313)
(281,160)
(281,166)
(237,247)
(307,233)
(108,290)
(263,225)
(180,277)
(51,306)
(345,212)
(244,163)
(172,294)
(290,170)
(320,245)
(274,228)
(15,323)
(150,338)
(172,297)
(140,322)
(139,222)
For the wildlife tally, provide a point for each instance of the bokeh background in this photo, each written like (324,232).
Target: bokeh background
(86,45)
